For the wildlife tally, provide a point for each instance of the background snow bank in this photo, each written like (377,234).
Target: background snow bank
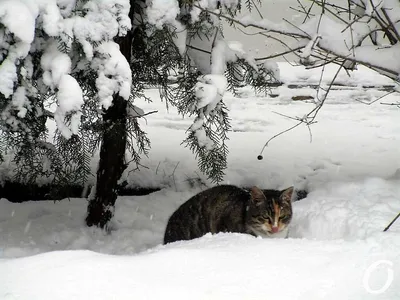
(353,210)
(351,140)
(362,76)
(337,210)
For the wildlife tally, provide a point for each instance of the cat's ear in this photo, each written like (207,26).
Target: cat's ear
(257,195)
(286,195)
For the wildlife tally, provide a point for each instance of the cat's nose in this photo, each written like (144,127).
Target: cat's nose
(275,229)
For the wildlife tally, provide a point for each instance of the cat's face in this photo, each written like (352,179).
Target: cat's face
(270,212)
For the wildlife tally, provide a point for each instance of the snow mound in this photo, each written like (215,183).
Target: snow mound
(355,210)
(224,266)
(336,211)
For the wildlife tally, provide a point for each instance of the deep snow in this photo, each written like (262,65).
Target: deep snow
(227,266)
(351,172)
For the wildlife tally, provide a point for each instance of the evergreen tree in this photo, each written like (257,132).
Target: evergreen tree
(58,65)
(82,63)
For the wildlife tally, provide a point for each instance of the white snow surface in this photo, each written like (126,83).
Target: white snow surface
(220,267)
(336,247)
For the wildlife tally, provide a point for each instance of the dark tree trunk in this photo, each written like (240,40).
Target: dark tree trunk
(111,164)
(112,152)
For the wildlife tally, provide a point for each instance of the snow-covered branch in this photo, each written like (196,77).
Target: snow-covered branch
(341,39)
(70,38)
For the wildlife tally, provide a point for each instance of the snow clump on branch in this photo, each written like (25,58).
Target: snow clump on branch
(66,35)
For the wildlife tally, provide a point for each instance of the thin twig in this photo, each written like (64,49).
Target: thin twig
(320,17)
(323,63)
(320,80)
(351,23)
(173,175)
(138,165)
(308,12)
(308,119)
(377,99)
(282,42)
(304,10)
(317,109)
(391,24)
(298,10)
(279,54)
(258,11)
(391,223)
(392,104)
(336,15)
(362,62)
(303,34)
(236,21)
(382,23)
(158,166)
(298,28)
(146,114)
(198,49)
(286,116)
(278,134)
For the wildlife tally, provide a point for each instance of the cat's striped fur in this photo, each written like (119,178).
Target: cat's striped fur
(227,208)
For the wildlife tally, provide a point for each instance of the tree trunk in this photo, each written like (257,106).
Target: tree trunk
(112,152)
(111,164)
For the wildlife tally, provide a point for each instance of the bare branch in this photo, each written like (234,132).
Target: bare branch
(392,104)
(280,54)
(298,10)
(391,24)
(336,15)
(377,99)
(148,113)
(309,118)
(254,25)
(391,223)
(280,133)
(306,35)
(258,11)
(308,12)
(198,49)
(302,34)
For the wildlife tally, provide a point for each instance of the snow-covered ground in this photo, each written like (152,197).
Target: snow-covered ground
(336,249)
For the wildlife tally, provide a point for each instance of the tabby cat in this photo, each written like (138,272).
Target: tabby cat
(227,208)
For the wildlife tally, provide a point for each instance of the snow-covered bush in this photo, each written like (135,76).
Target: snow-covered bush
(45,47)
(58,61)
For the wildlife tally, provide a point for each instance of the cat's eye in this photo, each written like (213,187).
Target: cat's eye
(264,219)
